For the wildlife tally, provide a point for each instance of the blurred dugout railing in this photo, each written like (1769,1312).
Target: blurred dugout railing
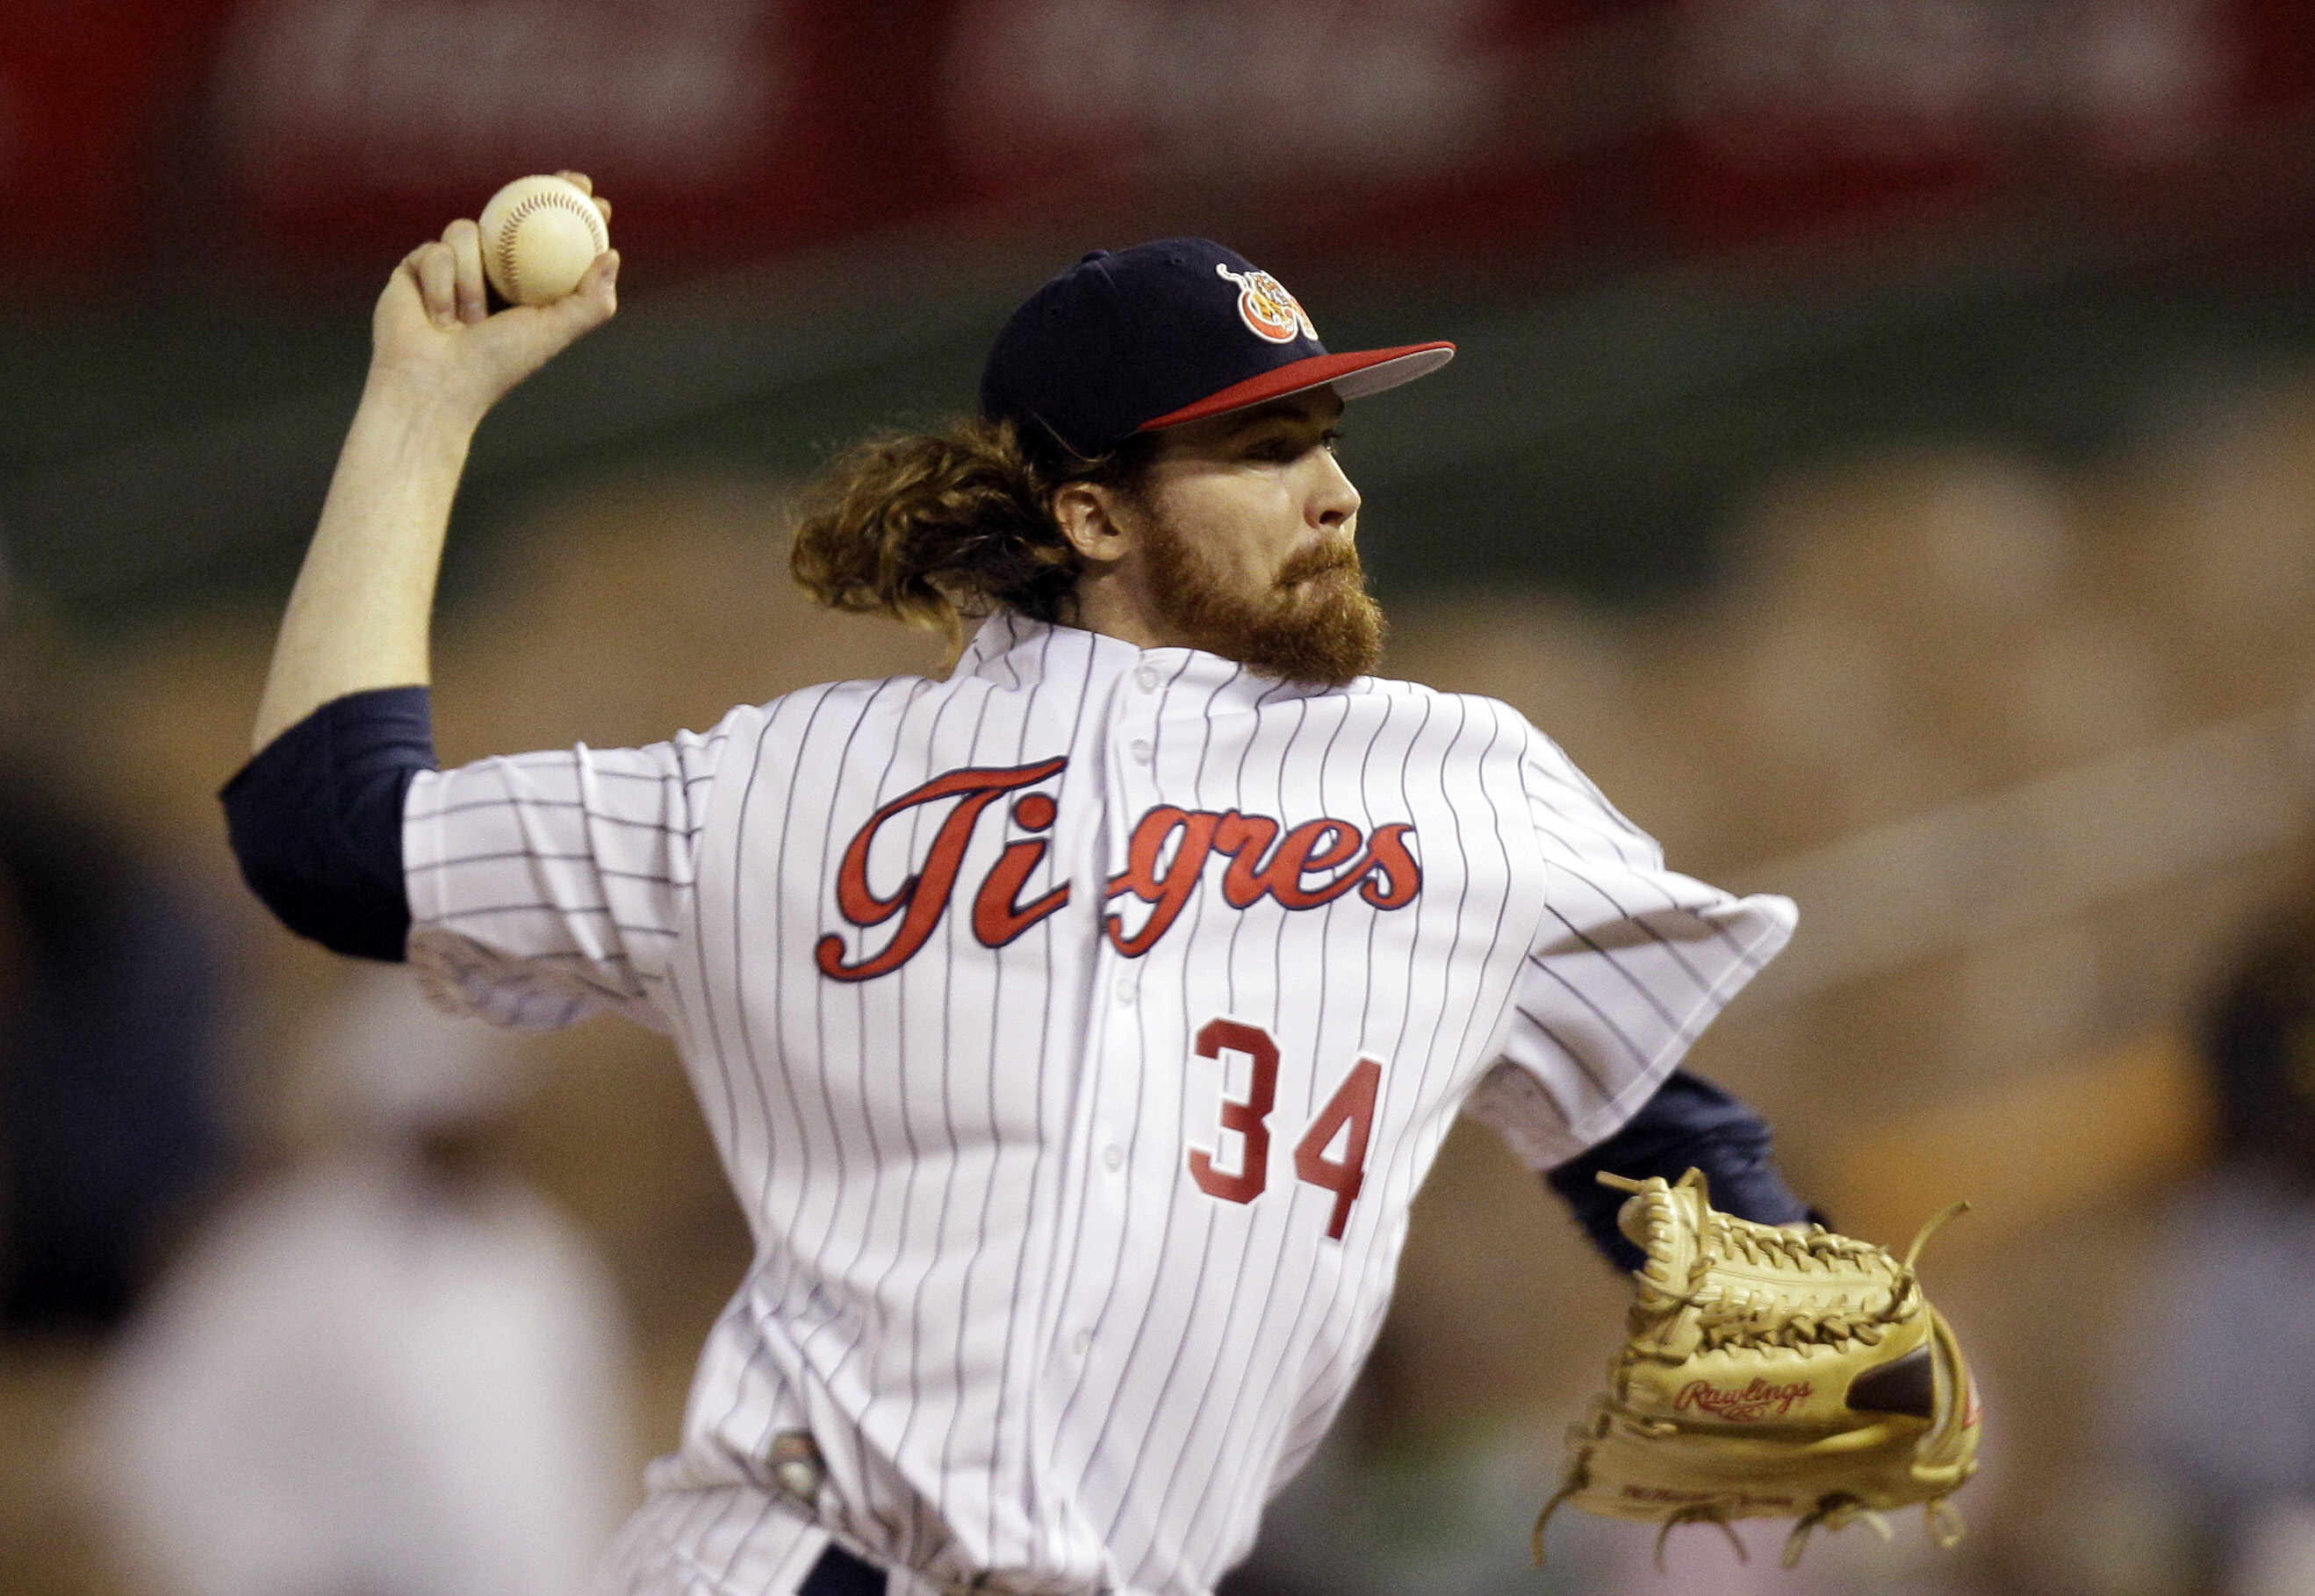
(2079,1131)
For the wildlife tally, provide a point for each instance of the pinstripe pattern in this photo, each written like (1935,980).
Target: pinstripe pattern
(1036,1352)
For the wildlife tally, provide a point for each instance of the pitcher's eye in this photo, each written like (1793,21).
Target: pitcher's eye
(1283,449)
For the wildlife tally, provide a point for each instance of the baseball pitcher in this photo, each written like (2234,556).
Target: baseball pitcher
(1077,1030)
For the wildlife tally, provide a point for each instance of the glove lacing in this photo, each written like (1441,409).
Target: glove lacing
(1731,1319)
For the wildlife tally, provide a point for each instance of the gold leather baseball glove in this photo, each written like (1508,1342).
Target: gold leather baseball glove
(1771,1373)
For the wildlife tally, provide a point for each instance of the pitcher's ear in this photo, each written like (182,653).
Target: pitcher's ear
(1087,515)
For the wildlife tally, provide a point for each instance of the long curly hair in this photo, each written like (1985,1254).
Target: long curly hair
(933,527)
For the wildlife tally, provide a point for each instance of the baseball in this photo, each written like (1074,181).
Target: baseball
(539,237)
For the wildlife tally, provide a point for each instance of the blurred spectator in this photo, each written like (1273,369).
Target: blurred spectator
(108,1022)
(392,1370)
(2260,1041)
(2217,1409)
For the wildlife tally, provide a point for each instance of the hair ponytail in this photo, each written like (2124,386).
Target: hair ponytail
(930,528)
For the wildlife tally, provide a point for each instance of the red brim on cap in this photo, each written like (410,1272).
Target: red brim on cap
(1354,376)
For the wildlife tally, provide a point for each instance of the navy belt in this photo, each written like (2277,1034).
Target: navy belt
(840,1574)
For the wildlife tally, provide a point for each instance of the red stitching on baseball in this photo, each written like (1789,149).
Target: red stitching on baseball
(578,205)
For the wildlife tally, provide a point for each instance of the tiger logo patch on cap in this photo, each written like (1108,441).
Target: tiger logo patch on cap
(1266,308)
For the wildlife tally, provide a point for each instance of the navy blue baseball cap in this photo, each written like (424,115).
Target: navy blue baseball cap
(1167,332)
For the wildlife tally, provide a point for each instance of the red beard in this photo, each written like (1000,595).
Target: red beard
(1316,624)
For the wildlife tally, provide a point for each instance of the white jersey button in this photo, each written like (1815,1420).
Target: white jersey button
(1082,1343)
(1140,751)
(1146,679)
(1113,1156)
(1125,989)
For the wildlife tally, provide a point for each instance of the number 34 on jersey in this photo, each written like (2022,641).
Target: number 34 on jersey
(1332,1154)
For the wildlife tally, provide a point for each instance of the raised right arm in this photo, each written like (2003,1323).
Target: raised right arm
(345,723)
(360,614)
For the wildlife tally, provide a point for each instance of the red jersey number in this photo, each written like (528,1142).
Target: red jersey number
(1349,1114)
(1348,1117)
(1250,1119)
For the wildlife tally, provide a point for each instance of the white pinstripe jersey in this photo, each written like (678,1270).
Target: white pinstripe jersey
(1075,1032)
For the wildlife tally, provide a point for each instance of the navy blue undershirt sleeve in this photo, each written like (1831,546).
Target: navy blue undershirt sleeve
(1689,1122)
(316,818)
